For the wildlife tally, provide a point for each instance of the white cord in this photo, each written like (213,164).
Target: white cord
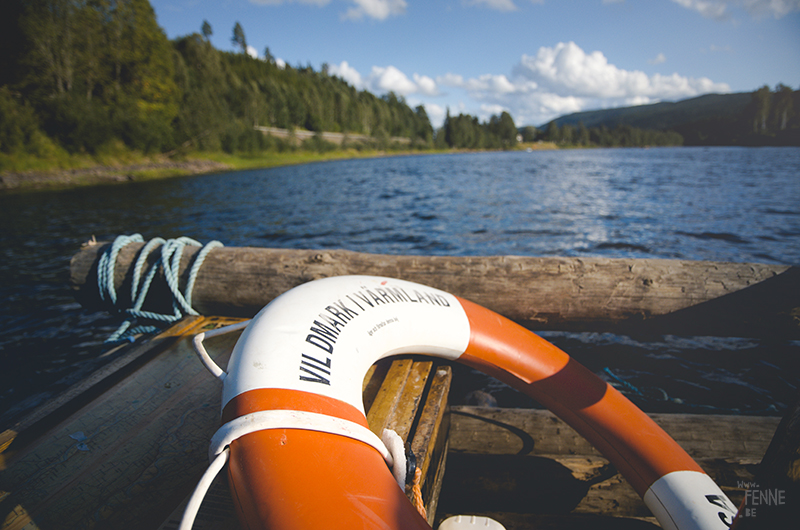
(199,493)
(206,359)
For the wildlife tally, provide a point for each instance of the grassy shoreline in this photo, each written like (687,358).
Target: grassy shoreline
(79,171)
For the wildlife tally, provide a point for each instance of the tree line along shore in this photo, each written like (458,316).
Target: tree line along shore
(94,91)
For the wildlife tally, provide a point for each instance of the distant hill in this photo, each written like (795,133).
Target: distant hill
(663,116)
(746,118)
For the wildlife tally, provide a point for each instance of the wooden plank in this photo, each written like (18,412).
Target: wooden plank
(407,404)
(540,432)
(569,294)
(405,413)
(518,521)
(128,358)
(429,444)
(388,396)
(141,444)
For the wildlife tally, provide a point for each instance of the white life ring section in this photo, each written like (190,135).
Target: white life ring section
(309,349)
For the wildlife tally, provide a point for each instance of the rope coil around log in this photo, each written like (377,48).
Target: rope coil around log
(169,261)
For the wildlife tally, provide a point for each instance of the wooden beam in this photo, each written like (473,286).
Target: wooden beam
(487,430)
(629,296)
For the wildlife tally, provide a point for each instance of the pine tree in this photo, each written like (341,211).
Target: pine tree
(238,38)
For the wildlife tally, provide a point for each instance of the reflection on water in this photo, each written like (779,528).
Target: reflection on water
(722,204)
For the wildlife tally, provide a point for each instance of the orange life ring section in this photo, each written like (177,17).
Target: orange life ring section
(304,356)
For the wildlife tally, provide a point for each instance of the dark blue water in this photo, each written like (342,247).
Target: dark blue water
(723,204)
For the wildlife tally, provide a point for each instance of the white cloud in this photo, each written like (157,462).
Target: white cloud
(386,79)
(377,9)
(715,9)
(776,8)
(252,52)
(436,114)
(499,5)
(390,79)
(425,85)
(719,9)
(555,81)
(279,2)
(450,80)
(487,111)
(660,58)
(498,84)
(564,79)
(348,73)
(280,62)
(567,69)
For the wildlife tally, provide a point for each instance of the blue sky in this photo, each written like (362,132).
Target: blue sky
(536,59)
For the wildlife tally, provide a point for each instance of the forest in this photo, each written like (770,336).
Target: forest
(621,135)
(762,117)
(84,76)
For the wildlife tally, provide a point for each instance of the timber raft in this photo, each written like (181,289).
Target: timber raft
(124,448)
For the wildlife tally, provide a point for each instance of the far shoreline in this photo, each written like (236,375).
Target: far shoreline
(160,167)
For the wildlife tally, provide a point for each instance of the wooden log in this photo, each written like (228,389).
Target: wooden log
(628,296)
(488,430)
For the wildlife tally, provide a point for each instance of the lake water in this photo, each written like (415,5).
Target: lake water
(722,204)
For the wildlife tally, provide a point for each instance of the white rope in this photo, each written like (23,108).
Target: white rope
(199,493)
(205,358)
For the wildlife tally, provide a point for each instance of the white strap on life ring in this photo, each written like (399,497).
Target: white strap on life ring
(389,448)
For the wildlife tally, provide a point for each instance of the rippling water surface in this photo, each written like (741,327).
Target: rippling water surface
(722,204)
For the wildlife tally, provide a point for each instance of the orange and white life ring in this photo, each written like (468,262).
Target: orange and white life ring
(302,456)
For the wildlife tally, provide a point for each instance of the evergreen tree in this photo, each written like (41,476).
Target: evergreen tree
(553,133)
(238,38)
(206,29)
(582,135)
(423,129)
(529,133)
(761,103)
(783,108)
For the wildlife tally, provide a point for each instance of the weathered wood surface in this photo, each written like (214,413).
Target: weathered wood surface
(142,443)
(528,468)
(528,431)
(130,456)
(128,358)
(569,294)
